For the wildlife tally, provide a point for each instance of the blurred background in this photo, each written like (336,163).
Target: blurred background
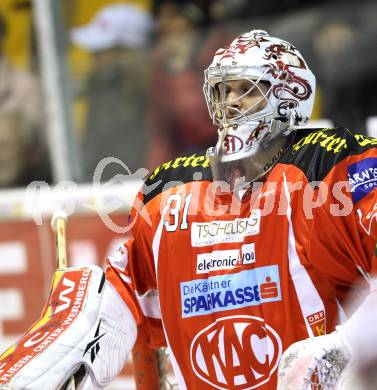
(82,80)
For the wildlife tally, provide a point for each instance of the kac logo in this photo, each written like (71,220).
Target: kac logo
(238,352)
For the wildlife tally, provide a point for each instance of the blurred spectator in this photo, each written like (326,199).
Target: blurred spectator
(22,143)
(344,48)
(117,38)
(186,42)
(19,162)
(338,41)
(241,9)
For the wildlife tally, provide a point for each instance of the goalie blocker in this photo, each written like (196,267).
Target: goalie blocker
(85,329)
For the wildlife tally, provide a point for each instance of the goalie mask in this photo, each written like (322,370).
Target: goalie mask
(258,90)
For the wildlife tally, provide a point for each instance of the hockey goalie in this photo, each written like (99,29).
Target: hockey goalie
(237,254)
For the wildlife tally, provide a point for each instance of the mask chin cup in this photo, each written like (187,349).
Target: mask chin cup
(240,170)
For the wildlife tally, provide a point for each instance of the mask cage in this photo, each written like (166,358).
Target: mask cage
(216,97)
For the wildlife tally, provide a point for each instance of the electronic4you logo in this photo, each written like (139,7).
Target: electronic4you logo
(239,352)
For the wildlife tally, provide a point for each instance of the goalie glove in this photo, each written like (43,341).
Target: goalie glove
(85,328)
(314,363)
(324,359)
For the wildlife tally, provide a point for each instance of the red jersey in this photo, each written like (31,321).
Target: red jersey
(229,281)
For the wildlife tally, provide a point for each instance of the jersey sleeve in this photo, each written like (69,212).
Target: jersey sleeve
(362,177)
(131,271)
(344,228)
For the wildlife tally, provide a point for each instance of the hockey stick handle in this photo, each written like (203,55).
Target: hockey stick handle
(58,224)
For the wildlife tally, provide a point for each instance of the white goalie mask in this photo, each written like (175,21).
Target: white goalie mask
(252,138)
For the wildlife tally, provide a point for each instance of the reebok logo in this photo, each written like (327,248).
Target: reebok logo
(93,346)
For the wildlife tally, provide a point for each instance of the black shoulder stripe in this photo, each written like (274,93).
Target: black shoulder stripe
(184,169)
(316,151)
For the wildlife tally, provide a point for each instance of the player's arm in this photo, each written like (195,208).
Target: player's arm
(324,359)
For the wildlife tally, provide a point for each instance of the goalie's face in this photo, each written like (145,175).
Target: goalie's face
(246,144)
(237,99)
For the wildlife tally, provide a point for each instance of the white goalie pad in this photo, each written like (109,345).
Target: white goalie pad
(84,326)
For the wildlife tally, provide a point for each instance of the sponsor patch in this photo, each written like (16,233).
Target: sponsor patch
(238,352)
(189,161)
(317,322)
(231,291)
(362,177)
(316,317)
(216,232)
(227,259)
(324,139)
